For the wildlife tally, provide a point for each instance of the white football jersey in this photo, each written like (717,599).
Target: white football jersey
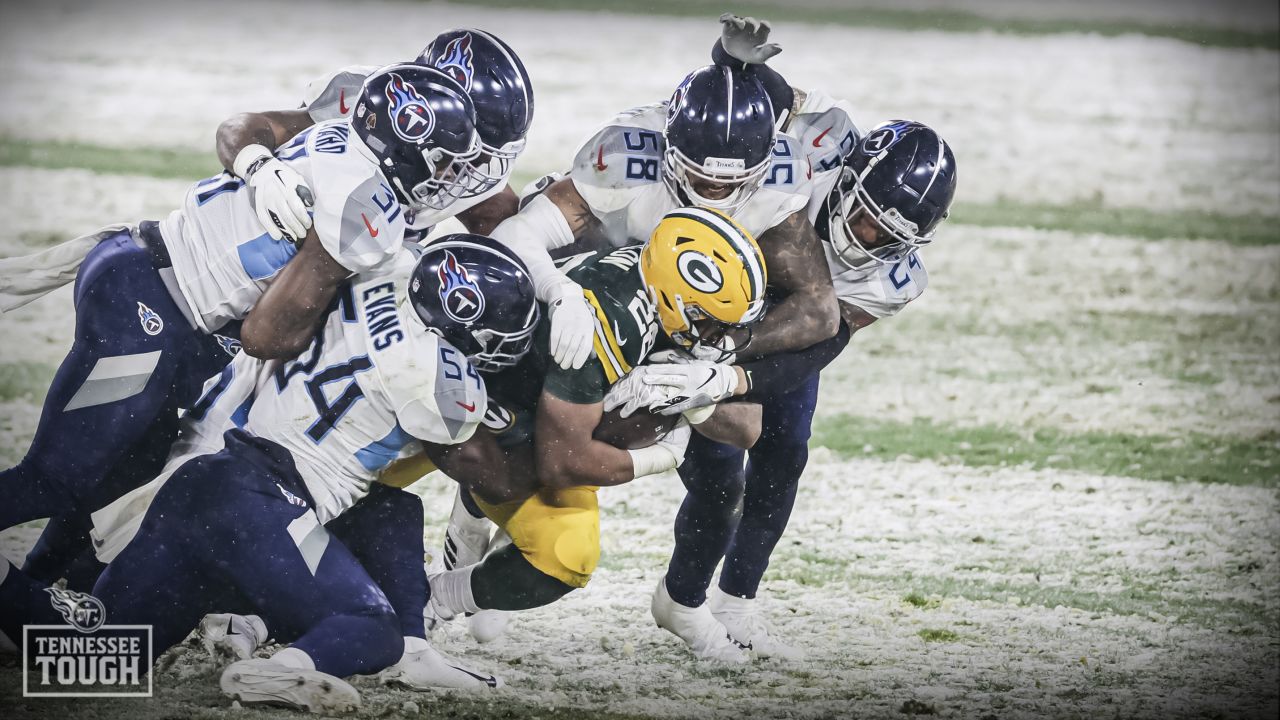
(618,171)
(223,257)
(373,383)
(332,96)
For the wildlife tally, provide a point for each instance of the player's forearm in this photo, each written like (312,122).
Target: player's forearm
(531,234)
(240,131)
(564,464)
(268,129)
(283,321)
(484,218)
(481,466)
(799,321)
(737,424)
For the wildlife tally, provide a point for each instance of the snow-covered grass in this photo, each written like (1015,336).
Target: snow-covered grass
(917,586)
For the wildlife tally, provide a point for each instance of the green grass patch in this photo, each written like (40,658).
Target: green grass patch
(151,162)
(1093,218)
(899,19)
(24,380)
(1191,457)
(936,635)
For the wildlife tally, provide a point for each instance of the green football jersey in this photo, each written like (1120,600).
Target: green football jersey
(627,327)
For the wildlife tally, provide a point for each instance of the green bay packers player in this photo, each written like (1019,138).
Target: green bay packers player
(699,276)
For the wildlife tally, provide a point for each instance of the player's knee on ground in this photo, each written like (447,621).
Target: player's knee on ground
(557,531)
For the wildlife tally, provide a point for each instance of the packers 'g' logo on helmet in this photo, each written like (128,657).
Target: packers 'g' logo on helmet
(705,274)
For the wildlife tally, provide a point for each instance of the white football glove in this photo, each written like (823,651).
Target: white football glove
(632,393)
(573,326)
(673,389)
(747,39)
(281,198)
(664,455)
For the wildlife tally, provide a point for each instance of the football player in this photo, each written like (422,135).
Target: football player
(893,189)
(159,305)
(499,87)
(698,276)
(395,367)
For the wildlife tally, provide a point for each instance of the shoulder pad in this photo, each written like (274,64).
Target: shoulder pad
(357,216)
(332,96)
(881,290)
(453,407)
(619,156)
(826,137)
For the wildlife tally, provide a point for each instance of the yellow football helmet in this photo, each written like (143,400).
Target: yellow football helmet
(699,265)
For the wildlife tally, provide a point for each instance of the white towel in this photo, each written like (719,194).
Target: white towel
(30,277)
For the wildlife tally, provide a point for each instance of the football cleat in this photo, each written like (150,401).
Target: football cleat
(429,668)
(747,627)
(435,614)
(232,637)
(708,639)
(263,681)
(466,537)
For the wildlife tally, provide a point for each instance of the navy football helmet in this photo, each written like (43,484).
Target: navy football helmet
(475,292)
(719,136)
(420,127)
(492,74)
(903,176)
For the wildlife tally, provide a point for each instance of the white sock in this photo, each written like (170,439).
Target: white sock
(452,589)
(294,658)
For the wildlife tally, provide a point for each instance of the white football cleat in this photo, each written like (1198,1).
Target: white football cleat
(232,637)
(429,668)
(263,681)
(466,538)
(747,627)
(708,639)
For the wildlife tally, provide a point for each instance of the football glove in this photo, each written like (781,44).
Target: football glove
(747,39)
(281,198)
(573,325)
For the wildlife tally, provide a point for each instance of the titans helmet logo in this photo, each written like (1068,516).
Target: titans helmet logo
(456,60)
(882,138)
(459,294)
(82,611)
(411,116)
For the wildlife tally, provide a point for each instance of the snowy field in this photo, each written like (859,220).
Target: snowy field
(922,575)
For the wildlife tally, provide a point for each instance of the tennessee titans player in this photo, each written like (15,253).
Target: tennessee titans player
(498,85)
(251,528)
(159,305)
(893,188)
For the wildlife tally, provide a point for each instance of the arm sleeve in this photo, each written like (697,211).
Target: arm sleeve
(783,372)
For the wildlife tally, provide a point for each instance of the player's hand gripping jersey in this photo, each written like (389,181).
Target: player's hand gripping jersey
(373,382)
(619,173)
(224,259)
